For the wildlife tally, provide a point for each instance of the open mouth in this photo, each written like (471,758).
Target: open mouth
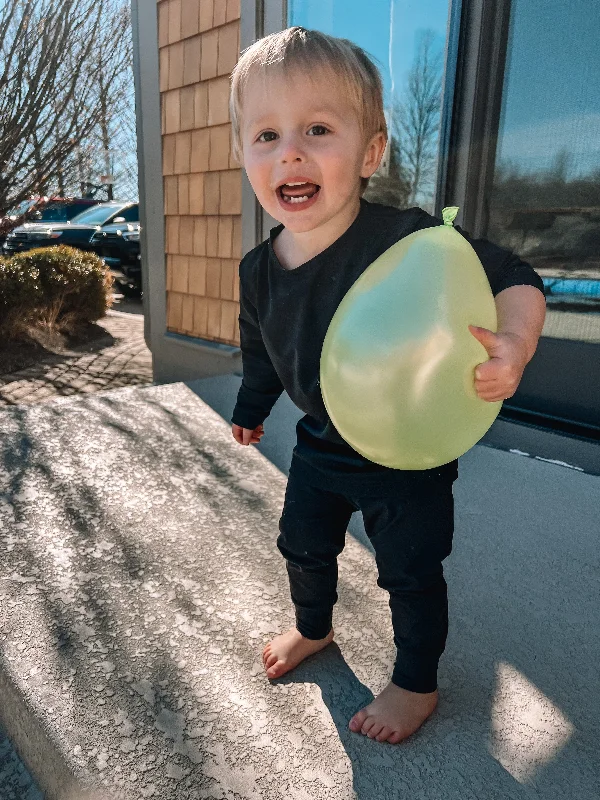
(297,193)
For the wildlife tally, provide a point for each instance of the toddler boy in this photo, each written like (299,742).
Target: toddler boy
(308,126)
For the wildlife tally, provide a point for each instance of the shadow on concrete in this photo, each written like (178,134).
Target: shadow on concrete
(524,643)
(140,581)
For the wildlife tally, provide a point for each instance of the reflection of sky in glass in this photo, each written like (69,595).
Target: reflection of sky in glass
(553,79)
(368,24)
(552,85)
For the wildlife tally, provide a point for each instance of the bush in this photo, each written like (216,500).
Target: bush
(20,297)
(59,288)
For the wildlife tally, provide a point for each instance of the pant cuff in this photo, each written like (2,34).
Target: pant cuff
(422,682)
(314,628)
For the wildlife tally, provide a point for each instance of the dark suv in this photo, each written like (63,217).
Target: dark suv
(76,232)
(40,210)
(118,244)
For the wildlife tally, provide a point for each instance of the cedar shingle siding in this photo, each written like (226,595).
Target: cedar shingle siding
(199,46)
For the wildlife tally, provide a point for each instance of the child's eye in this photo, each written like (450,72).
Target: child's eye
(318,130)
(267,136)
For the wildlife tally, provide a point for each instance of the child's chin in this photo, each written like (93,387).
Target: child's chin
(296,225)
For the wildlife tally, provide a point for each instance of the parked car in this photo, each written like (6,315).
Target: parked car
(40,210)
(118,244)
(76,232)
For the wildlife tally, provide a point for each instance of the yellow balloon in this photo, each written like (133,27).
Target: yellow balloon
(398,359)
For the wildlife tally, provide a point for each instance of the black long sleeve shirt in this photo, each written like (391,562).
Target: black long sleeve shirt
(285,314)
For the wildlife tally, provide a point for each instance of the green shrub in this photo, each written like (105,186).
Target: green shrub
(58,287)
(20,297)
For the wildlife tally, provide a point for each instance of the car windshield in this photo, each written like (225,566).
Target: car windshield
(52,213)
(95,216)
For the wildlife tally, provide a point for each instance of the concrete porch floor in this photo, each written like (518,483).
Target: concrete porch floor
(140,581)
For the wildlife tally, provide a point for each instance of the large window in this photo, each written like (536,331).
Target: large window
(545,198)
(408,42)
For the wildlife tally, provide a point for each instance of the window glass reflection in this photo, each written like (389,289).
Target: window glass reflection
(545,200)
(407,39)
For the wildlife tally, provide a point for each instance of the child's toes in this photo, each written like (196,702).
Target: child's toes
(395,738)
(357,721)
(272,659)
(367,725)
(375,730)
(384,734)
(275,670)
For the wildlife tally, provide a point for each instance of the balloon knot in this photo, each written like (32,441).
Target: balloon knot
(449,214)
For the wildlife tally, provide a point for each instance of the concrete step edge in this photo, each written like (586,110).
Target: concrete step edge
(38,746)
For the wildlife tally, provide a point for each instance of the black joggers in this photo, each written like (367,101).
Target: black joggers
(409,518)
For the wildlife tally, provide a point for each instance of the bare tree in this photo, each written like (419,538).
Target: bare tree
(416,120)
(408,175)
(56,60)
(115,91)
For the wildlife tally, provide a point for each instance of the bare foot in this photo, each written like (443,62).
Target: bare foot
(394,714)
(288,649)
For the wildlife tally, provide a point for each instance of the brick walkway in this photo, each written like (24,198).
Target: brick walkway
(120,359)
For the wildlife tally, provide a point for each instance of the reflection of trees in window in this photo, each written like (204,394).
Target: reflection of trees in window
(551,220)
(408,177)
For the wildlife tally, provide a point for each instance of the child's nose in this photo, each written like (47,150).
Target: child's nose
(291,150)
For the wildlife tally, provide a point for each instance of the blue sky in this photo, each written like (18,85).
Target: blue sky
(552,96)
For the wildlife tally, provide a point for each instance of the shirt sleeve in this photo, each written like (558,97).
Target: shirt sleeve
(502,267)
(261,386)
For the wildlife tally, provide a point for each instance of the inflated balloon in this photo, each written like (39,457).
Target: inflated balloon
(398,360)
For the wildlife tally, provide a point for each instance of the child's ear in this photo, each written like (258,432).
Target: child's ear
(373,154)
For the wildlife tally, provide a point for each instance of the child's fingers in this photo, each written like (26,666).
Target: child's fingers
(247,436)
(256,434)
(241,435)
(253,436)
(491,398)
(237,432)
(493,391)
(488,371)
(502,385)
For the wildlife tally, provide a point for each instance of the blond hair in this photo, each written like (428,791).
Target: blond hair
(298,49)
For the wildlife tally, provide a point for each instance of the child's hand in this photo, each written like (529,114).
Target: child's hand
(498,378)
(247,436)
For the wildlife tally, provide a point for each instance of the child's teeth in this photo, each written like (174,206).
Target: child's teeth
(297,199)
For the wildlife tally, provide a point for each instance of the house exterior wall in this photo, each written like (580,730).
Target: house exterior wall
(199,44)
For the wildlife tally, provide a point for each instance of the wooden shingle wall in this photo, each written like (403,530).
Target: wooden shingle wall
(199,46)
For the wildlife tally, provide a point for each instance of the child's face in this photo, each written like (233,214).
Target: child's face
(304,131)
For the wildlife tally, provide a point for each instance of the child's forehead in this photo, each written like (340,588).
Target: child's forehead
(322,90)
